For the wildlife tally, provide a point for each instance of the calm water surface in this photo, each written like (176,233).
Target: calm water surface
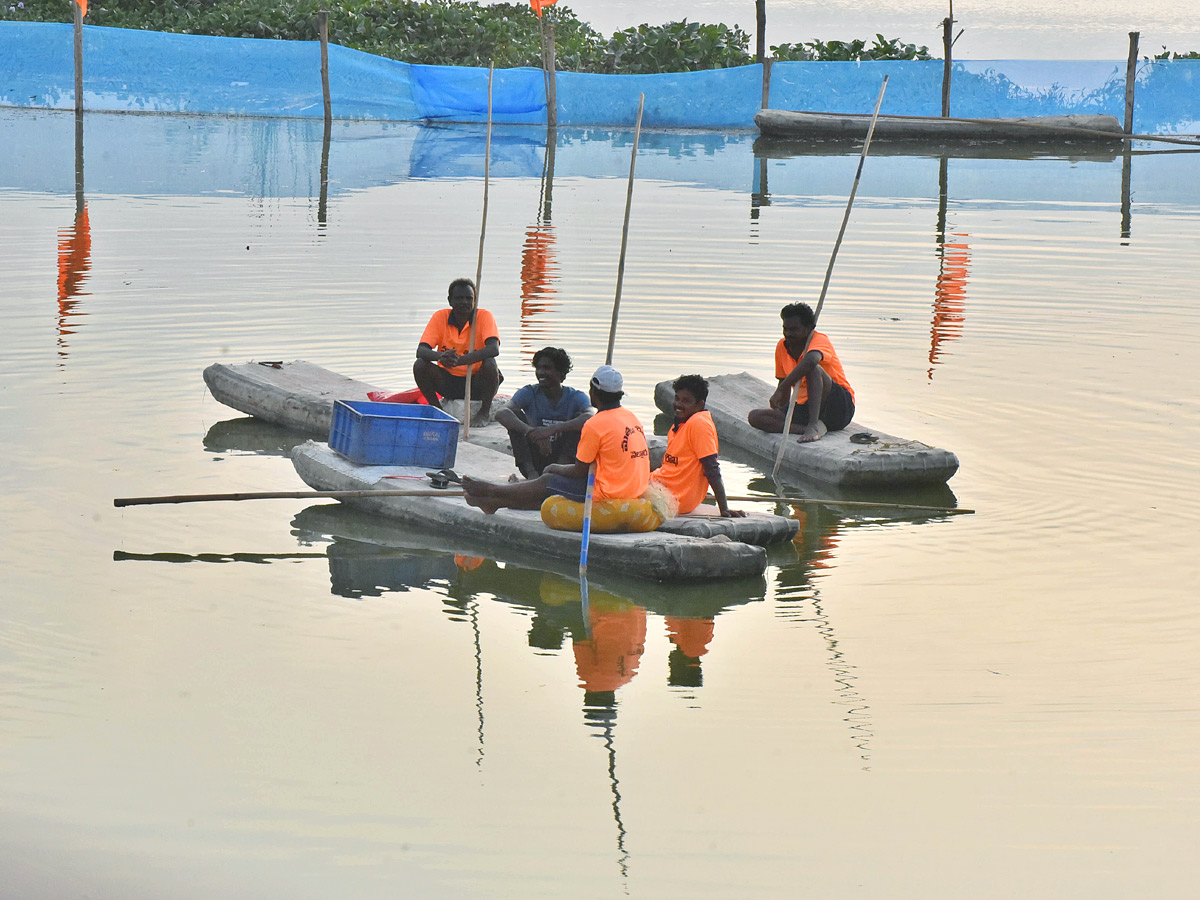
(286,699)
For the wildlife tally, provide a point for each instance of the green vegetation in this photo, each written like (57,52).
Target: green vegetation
(851,51)
(450,32)
(1170,54)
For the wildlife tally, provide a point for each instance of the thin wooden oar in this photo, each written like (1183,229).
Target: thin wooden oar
(612,331)
(865,503)
(787,422)
(280,495)
(612,339)
(487,164)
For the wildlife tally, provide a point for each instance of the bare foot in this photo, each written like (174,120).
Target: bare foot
(514,478)
(487,504)
(813,433)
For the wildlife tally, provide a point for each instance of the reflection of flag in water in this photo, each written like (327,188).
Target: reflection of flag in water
(538,5)
(950,298)
(74,261)
(538,272)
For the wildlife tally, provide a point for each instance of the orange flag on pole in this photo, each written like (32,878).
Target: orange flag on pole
(83,7)
(537,5)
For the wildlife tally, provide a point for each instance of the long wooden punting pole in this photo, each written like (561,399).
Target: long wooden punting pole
(487,165)
(806,501)
(787,422)
(279,495)
(637,132)
(323,31)
(612,338)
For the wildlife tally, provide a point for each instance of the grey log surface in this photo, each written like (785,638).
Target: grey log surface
(800,123)
(679,551)
(887,462)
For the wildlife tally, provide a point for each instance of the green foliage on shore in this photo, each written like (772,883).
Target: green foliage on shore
(851,51)
(452,32)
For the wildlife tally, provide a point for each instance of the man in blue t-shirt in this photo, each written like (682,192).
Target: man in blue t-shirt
(544,419)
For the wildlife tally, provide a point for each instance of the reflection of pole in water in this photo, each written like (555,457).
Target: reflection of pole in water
(607,658)
(1126,209)
(600,712)
(539,269)
(323,202)
(815,543)
(950,293)
(470,607)
(74,250)
(857,711)
(760,193)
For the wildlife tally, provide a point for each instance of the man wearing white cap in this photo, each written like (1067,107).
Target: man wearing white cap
(613,439)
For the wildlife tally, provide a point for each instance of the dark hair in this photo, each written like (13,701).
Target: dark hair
(801,311)
(606,398)
(693,384)
(456,282)
(557,357)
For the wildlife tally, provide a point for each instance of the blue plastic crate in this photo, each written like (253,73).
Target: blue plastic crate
(393,434)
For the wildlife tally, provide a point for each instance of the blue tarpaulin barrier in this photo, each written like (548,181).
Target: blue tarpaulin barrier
(148,71)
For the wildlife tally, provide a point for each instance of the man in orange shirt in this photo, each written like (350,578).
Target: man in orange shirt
(443,358)
(613,439)
(825,400)
(690,467)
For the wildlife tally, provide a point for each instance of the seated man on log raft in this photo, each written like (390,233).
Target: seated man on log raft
(443,358)
(544,419)
(690,467)
(825,400)
(613,439)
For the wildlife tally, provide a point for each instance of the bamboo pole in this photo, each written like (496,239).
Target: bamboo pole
(78,57)
(787,421)
(612,331)
(947,65)
(1130,79)
(869,504)
(279,495)
(487,164)
(585,537)
(323,28)
(550,65)
(760,21)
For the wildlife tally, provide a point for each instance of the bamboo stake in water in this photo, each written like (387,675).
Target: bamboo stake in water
(78,57)
(787,422)
(612,331)
(487,164)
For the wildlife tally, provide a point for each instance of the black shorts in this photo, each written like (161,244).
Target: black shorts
(454,387)
(837,409)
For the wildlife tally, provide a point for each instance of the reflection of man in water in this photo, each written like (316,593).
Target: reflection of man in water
(691,638)
(610,656)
